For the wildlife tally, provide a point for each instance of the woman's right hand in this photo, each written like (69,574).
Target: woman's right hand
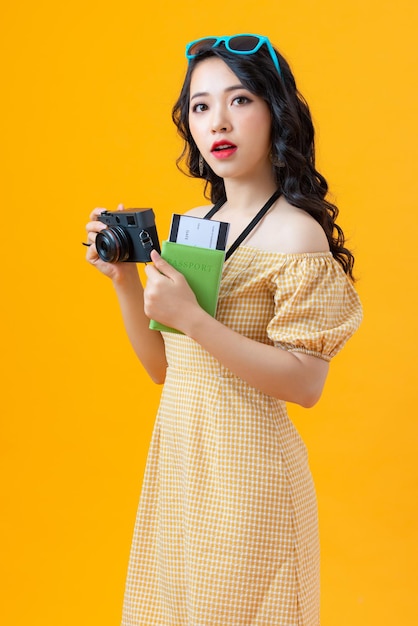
(148,344)
(115,271)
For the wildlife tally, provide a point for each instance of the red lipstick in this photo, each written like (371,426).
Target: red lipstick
(223,149)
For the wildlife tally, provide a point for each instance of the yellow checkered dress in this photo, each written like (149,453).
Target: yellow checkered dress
(226,533)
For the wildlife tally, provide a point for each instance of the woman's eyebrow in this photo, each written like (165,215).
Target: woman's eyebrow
(201,94)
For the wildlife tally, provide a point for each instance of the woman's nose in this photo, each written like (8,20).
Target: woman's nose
(221,129)
(220,122)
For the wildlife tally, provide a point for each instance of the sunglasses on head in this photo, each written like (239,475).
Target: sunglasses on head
(238,44)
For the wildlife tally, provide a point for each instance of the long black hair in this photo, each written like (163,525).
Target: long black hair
(292,140)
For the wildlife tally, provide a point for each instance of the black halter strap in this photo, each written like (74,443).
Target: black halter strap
(250,226)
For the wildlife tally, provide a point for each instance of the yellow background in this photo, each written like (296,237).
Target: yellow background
(87,90)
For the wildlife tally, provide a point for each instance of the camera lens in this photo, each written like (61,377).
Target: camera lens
(113,244)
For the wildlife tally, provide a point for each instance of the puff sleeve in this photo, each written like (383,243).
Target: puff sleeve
(316,308)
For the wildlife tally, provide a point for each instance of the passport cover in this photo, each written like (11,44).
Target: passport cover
(202,268)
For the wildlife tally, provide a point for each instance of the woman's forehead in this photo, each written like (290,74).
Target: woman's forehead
(210,72)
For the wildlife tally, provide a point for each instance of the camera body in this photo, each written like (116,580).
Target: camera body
(130,236)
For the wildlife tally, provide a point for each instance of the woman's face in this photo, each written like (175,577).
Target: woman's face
(230,125)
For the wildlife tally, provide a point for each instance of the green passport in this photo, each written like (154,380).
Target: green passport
(202,268)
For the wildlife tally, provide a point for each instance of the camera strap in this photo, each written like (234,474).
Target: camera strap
(250,226)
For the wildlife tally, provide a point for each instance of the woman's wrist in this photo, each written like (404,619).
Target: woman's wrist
(126,274)
(196,326)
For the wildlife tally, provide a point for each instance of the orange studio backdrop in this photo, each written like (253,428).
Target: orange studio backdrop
(87,90)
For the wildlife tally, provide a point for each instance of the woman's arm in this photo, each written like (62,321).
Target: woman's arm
(289,376)
(147,344)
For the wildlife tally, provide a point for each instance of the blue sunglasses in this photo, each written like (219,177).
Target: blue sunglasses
(238,44)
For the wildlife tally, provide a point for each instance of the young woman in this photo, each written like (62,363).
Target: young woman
(226,533)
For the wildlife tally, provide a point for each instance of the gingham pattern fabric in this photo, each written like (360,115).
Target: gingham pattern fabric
(226,533)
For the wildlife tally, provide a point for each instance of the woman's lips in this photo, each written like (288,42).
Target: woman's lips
(223,149)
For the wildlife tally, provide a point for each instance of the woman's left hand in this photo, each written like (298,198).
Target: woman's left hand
(168,299)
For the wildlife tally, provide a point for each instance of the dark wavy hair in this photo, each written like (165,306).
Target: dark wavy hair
(292,140)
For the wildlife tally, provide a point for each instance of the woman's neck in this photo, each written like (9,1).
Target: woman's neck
(248,196)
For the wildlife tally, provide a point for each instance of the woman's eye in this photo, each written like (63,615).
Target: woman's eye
(241,100)
(199,108)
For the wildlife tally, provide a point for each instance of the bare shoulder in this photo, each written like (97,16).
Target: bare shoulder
(290,230)
(199,211)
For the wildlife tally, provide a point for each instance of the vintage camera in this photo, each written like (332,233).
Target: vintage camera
(130,236)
